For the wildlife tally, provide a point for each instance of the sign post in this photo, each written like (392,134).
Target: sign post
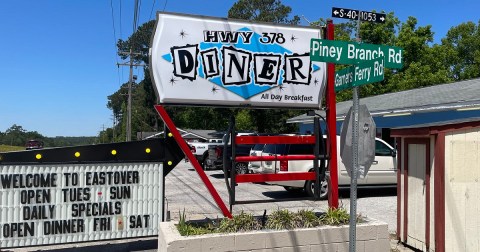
(378,57)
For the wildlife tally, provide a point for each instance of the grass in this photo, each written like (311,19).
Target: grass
(7,148)
(279,219)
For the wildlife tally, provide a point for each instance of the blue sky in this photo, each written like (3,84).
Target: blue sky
(59,56)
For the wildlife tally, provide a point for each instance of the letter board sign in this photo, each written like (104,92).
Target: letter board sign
(62,203)
(197,60)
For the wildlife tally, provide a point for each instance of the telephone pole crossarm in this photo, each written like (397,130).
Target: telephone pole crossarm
(131,64)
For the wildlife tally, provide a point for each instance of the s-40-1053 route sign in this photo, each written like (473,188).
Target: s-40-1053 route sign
(358,15)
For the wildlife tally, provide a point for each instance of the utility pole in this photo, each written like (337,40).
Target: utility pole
(103,133)
(130,81)
(113,127)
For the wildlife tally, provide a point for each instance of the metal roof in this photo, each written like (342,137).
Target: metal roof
(442,123)
(450,96)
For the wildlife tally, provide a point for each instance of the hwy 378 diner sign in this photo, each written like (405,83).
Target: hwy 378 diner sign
(197,60)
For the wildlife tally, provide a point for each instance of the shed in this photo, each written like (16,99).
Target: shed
(438,185)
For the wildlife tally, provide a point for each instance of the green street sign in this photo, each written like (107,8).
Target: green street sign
(344,79)
(343,52)
(365,72)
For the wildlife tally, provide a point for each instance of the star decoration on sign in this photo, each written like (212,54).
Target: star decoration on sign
(183,34)
(281,87)
(172,80)
(316,81)
(214,89)
(293,38)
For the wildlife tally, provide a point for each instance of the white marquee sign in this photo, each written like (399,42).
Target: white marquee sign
(198,60)
(51,204)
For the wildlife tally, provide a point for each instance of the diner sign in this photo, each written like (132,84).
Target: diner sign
(197,60)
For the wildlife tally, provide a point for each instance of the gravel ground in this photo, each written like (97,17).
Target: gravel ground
(186,192)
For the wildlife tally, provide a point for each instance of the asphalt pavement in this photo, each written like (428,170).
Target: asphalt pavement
(186,192)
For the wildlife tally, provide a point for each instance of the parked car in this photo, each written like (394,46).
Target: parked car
(200,150)
(214,158)
(381,173)
(34,144)
(255,166)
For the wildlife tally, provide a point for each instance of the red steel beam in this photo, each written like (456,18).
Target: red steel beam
(332,124)
(186,150)
(273,158)
(245,178)
(275,140)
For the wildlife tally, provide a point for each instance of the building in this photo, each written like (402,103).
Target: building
(437,103)
(193,135)
(438,185)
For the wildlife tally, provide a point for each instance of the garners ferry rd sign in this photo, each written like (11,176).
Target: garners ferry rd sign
(205,61)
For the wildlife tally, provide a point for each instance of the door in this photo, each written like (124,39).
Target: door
(417,163)
(383,169)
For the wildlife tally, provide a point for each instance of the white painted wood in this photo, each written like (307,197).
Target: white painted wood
(416,195)
(462,168)
(402,191)
(472,168)
(432,193)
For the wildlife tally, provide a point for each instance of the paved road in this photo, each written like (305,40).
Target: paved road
(185,191)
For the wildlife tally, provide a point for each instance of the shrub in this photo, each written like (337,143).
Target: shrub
(279,219)
(335,217)
(186,228)
(239,223)
(306,219)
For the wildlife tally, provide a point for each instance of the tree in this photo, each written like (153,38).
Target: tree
(462,45)
(424,64)
(262,10)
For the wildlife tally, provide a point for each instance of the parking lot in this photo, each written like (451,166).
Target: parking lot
(186,192)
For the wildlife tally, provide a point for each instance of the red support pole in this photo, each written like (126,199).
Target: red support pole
(332,125)
(186,150)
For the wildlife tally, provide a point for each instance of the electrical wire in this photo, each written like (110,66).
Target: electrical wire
(115,41)
(165,6)
(151,11)
(139,10)
(120,19)
(136,15)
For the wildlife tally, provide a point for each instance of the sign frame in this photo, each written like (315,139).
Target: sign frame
(177,86)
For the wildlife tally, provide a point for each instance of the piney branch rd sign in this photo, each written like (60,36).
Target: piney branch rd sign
(343,52)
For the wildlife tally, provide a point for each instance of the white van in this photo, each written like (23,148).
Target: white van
(381,173)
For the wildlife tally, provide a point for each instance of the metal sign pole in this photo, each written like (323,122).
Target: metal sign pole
(353,178)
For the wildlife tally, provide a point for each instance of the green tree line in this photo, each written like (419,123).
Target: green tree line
(455,58)
(16,135)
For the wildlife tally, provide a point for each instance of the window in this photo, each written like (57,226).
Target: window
(278,149)
(258,147)
(381,149)
(301,149)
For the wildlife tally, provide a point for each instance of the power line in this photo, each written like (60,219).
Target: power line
(115,41)
(151,11)
(139,10)
(113,22)
(121,19)
(136,15)
(165,6)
